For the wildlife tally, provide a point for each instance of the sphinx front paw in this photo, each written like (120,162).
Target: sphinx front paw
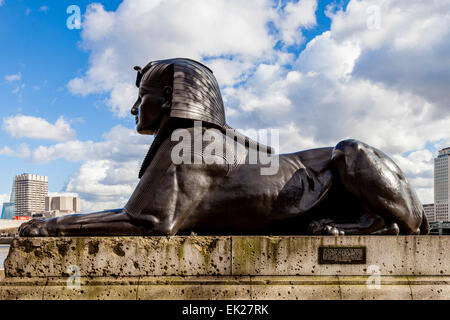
(324,227)
(33,228)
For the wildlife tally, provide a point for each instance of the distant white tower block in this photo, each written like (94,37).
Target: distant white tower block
(429,212)
(62,205)
(76,204)
(30,191)
(441,189)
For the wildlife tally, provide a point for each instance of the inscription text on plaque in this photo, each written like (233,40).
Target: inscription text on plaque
(342,255)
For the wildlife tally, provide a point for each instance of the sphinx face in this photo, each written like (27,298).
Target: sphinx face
(148,109)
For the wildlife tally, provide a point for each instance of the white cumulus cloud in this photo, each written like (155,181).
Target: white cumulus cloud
(120,144)
(380,75)
(379,85)
(21,126)
(22,151)
(231,35)
(293,17)
(109,168)
(104,184)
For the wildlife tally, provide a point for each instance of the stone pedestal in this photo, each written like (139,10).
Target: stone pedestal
(356,267)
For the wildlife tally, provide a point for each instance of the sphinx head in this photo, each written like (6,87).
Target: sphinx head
(177,88)
(154,99)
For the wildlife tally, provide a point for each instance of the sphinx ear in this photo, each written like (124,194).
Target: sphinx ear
(167,90)
(166,80)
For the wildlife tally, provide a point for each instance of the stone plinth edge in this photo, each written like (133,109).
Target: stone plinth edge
(230,267)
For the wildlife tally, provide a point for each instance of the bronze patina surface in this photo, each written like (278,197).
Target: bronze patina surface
(351,188)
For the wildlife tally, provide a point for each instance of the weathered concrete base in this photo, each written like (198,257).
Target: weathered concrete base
(228,287)
(413,267)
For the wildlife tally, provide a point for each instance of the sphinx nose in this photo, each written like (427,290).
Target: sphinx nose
(134,109)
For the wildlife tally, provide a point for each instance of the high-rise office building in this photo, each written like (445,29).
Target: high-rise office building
(441,189)
(8,210)
(30,191)
(429,212)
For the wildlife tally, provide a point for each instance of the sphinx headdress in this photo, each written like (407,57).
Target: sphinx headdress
(196,96)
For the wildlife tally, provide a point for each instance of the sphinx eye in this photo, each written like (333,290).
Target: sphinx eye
(142,93)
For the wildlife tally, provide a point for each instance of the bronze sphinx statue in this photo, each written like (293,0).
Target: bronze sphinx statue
(349,189)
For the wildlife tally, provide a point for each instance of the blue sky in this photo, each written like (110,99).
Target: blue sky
(46,54)
(319,71)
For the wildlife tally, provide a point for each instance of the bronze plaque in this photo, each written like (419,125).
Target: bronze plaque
(342,255)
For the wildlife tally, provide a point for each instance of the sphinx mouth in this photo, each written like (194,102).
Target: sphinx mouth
(136,119)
